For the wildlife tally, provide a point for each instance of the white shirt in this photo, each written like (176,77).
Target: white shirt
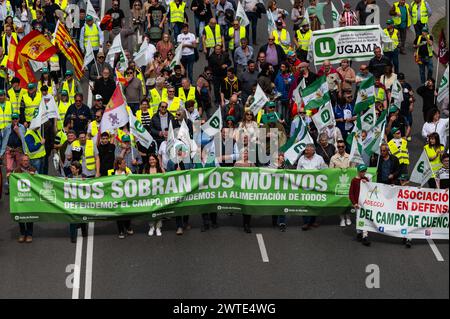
(441,127)
(316,162)
(188,38)
(163,152)
(151,49)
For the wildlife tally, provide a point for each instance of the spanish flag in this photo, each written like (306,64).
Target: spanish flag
(70,49)
(19,64)
(35,46)
(120,78)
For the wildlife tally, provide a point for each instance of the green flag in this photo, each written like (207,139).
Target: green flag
(334,16)
(443,87)
(366,95)
(422,172)
(325,117)
(296,143)
(316,94)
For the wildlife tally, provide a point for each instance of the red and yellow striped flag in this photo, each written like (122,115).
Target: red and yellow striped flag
(70,49)
(120,78)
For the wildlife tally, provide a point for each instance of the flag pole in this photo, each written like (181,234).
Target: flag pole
(436,81)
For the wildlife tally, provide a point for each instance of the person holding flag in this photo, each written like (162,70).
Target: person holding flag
(91,32)
(35,148)
(434,151)
(355,185)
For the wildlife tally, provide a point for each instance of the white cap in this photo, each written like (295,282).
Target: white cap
(98,97)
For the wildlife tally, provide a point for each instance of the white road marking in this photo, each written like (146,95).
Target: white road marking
(89,256)
(435,250)
(262,248)
(77,270)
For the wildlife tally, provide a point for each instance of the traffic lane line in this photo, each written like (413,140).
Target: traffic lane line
(262,248)
(77,269)
(89,258)
(435,250)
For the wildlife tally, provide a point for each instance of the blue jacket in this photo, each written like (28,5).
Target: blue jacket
(6,132)
(282,87)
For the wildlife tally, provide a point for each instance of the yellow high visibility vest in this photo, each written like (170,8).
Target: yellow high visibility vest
(3,63)
(94,128)
(5,115)
(398,20)
(211,39)
(191,95)
(71,91)
(140,76)
(60,137)
(62,110)
(16,99)
(436,164)
(304,39)
(380,95)
(37,139)
(111,171)
(394,38)
(423,13)
(401,153)
(156,99)
(242,33)
(430,48)
(88,153)
(62,3)
(50,87)
(13,35)
(31,105)
(278,39)
(91,34)
(177,13)
(174,106)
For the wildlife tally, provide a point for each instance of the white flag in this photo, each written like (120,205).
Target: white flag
(177,58)
(366,121)
(139,131)
(296,143)
(47,110)
(241,16)
(116,47)
(89,57)
(397,93)
(184,136)
(260,99)
(335,16)
(325,117)
(115,114)
(443,87)
(296,94)
(422,172)
(355,152)
(214,124)
(91,11)
(140,57)
(306,17)
(36,65)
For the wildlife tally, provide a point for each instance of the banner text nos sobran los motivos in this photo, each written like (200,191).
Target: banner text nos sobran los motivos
(256,191)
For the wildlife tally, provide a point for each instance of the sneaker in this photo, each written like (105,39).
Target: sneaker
(282,228)
(306,227)
(21,239)
(29,239)
(359,237)
(342,224)
(366,242)
(247,229)
(348,221)
(158,232)
(121,236)
(73,240)
(408,243)
(151,231)
(179,231)
(130,232)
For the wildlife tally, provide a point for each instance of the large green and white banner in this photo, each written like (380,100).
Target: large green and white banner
(407,212)
(256,191)
(356,43)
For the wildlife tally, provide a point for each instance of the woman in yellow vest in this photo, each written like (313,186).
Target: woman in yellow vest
(434,150)
(6,111)
(46,80)
(15,94)
(420,10)
(391,50)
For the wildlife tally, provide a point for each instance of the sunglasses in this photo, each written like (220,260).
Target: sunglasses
(271,39)
(78,101)
(341,146)
(130,72)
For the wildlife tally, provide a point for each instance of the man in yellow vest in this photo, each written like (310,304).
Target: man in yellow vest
(6,110)
(211,37)
(63,106)
(91,32)
(420,14)
(15,94)
(398,147)
(6,39)
(177,16)
(3,68)
(157,94)
(424,54)
(401,14)
(70,85)
(282,36)
(85,151)
(35,148)
(301,40)
(391,49)
(235,34)
(93,127)
(187,92)
(31,100)
(173,102)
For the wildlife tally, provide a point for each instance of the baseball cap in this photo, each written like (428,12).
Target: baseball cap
(44,70)
(291,53)
(393,108)
(390,22)
(271,104)
(69,72)
(425,29)
(126,138)
(304,22)
(98,97)
(361,168)
(15,116)
(31,86)
(89,18)
(395,130)
(64,92)
(231,118)
(347,5)
(403,177)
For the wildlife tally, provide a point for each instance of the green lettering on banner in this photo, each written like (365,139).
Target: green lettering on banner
(325,47)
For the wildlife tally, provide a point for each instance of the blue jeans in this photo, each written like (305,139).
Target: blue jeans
(182,221)
(188,63)
(199,27)
(393,56)
(38,164)
(26,229)
(426,63)
(253,17)
(177,26)
(309,220)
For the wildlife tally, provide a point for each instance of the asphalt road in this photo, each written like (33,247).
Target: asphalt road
(223,263)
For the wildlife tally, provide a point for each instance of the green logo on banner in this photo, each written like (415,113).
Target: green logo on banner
(361,224)
(421,167)
(325,116)
(369,118)
(36,112)
(325,47)
(335,15)
(215,122)
(299,148)
(443,82)
(139,127)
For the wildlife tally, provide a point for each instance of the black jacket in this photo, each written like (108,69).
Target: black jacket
(156,126)
(216,61)
(106,155)
(376,67)
(104,88)
(280,52)
(395,170)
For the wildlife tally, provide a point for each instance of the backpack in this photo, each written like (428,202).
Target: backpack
(106,23)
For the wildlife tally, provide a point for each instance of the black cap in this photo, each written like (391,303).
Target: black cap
(400,76)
